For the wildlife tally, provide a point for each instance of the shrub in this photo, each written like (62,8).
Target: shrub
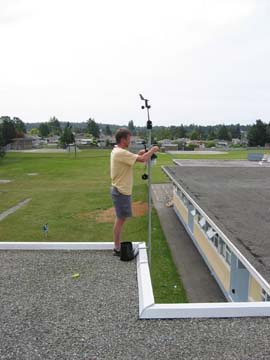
(209,144)
(190,147)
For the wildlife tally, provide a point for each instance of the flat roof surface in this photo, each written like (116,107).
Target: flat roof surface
(221,163)
(199,152)
(47,314)
(237,199)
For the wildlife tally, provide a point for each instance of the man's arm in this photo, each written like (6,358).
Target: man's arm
(146,155)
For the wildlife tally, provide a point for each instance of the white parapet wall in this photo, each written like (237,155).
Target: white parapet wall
(147,307)
(56,246)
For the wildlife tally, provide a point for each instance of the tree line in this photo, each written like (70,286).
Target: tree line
(257,134)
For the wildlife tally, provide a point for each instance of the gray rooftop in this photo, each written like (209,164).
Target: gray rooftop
(47,314)
(237,199)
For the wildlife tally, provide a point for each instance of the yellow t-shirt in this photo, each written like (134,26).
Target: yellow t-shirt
(122,162)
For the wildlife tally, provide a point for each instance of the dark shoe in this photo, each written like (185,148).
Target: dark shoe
(116,252)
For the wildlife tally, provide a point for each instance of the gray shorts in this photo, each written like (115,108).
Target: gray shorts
(122,204)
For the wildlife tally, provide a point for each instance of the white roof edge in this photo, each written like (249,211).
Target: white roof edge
(147,308)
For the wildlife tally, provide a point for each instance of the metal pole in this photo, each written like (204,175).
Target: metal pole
(149,197)
(149,128)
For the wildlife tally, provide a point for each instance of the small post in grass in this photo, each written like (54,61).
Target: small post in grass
(45,229)
(149,130)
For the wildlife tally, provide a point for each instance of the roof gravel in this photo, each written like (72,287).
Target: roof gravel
(47,314)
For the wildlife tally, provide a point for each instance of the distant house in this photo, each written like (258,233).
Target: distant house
(105,140)
(25,143)
(38,141)
(236,141)
(167,145)
(165,142)
(53,140)
(136,140)
(222,143)
(84,141)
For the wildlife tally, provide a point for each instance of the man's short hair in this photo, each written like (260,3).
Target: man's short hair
(121,133)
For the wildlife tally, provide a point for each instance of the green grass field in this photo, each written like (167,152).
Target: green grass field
(66,189)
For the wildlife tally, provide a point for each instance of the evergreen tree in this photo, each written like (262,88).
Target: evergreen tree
(67,137)
(267,134)
(235,131)
(131,126)
(2,152)
(257,134)
(211,133)
(181,133)
(93,128)
(8,129)
(223,133)
(44,129)
(108,130)
(55,126)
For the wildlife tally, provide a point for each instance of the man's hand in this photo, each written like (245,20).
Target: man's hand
(146,155)
(141,152)
(154,149)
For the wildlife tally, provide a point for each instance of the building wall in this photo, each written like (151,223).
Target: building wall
(254,290)
(181,208)
(221,269)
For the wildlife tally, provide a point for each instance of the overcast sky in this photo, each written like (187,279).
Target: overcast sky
(197,61)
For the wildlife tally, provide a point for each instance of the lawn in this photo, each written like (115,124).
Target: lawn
(67,192)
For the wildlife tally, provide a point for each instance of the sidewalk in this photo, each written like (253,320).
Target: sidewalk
(199,283)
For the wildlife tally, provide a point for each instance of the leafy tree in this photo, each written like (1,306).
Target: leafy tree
(202,132)
(211,133)
(44,129)
(55,126)
(257,134)
(223,133)
(7,129)
(161,132)
(235,131)
(67,137)
(108,130)
(93,128)
(194,135)
(34,132)
(181,131)
(19,125)
(267,134)
(2,152)
(131,126)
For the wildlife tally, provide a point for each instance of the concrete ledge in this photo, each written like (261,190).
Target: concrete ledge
(207,310)
(147,307)
(56,246)
(146,297)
